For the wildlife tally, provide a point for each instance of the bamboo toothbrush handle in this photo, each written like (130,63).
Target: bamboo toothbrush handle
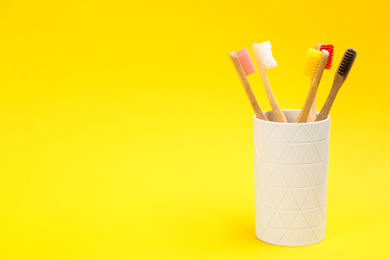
(247,87)
(337,83)
(278,113)
(302,117)
(313,110)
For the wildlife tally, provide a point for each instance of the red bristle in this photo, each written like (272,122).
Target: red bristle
(330,49)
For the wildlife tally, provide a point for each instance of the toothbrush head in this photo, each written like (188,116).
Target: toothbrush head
(330,49)
(266,55)
(347,62)
(312,62)
(246,61)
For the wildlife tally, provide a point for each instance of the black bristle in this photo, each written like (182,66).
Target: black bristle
(346,62)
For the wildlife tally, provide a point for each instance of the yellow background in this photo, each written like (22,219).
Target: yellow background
(125,133)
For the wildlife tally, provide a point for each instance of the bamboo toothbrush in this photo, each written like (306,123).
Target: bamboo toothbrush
(341,75)
(330,49)
(265,60)
(313,110)
(244,66)
(314,66)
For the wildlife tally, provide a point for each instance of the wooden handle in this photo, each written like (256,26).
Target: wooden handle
(278,113)
(337,83)
(247,87)
(302,117)
(313,110)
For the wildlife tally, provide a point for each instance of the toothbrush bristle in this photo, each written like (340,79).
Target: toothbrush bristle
(347,61)
(312,62)
(266,55)
(330,49)
(246,61)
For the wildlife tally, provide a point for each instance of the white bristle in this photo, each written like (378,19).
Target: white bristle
(266,55)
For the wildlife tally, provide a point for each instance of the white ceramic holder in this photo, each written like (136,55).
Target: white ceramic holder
(291,173)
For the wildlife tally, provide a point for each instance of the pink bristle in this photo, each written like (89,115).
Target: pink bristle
(330,49)
(246,61)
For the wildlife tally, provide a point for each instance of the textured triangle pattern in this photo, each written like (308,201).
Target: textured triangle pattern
(291,174)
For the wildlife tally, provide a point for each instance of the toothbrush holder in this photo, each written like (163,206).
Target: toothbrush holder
(291,175)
